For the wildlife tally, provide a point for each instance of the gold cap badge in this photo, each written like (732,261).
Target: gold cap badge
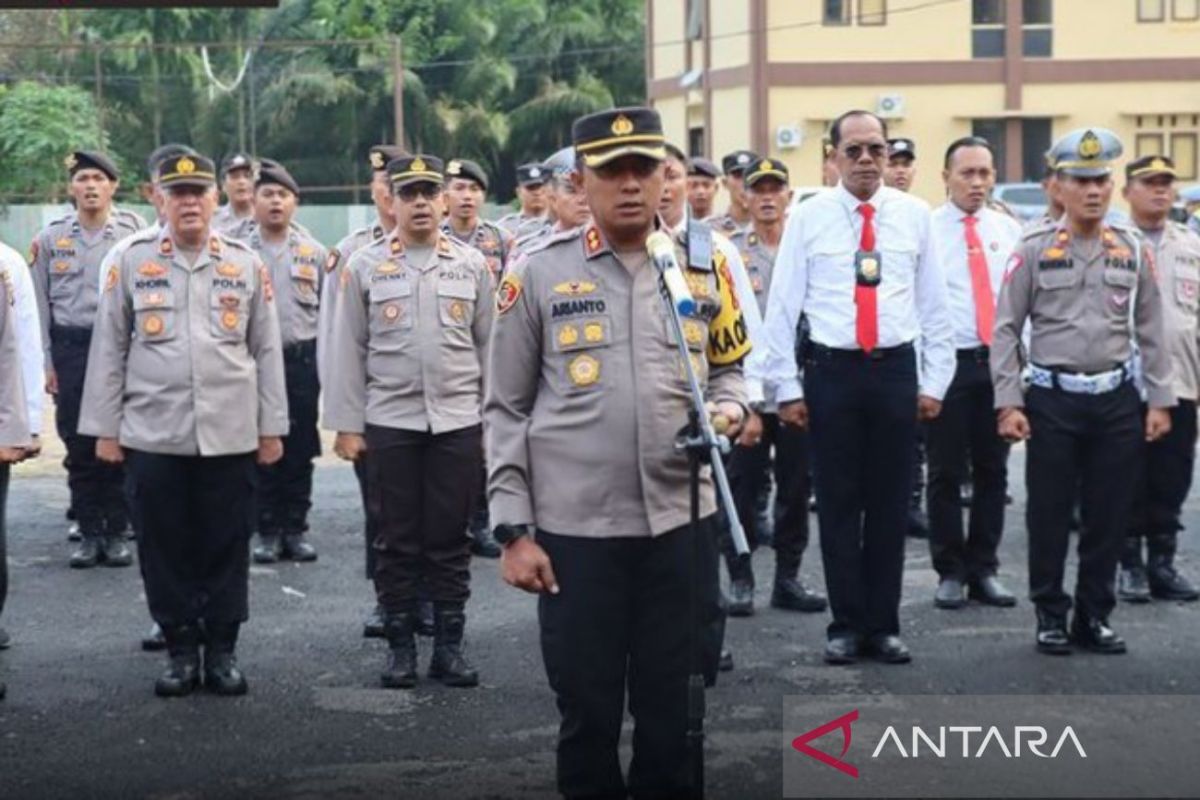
(418,165)
(185,166)
(70,161)
(622,126)
(377,160)
(1089,145)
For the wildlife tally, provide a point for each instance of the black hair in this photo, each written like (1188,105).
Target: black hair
(967,141)
(835,127)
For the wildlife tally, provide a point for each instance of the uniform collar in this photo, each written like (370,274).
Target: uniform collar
(594,243)
(851,202)
(214,248)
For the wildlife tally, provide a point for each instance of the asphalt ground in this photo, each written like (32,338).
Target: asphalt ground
(81,720)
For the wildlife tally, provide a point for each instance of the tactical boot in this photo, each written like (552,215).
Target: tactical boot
(1052,634)
(1133,584)
(401,671)
(449,665)
(296,548)
(790,593)
(183,662)
(1165,582)
(87,555)
(1095,635)
(116,552)
(740,602)
(373,627)
(154,640)
(424,618)
(221,673)
(268,550)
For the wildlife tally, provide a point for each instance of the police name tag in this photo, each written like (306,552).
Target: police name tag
(868,267)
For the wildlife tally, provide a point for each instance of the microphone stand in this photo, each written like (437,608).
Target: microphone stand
(702,445)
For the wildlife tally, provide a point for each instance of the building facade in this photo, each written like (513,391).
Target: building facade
(771,74)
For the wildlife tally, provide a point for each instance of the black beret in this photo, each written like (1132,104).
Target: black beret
(606,135)
(237,161)
(533,174)
(187,170)
(902,147)
(162,152)
(90,159)
(767,168)
(704,168)
(463,168)
(1149,166)
(276,173)
(738,162)
(415,169)
(379,155)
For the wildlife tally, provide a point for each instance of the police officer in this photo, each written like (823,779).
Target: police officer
(531,192)
(901,166)
(1170,462)
(65,261)
(971,242)
(702,186)
(237,181)
(186,386)
(737,215)
(1191,205)
(1087,290)
(589,495)
(294,260)
(568,206)
(750,468)
(405,384)
(855,262)
(15,440)
(381,196)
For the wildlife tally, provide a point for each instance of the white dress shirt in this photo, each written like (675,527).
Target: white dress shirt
(998,233)
(29,333)
(753,367)
(814,275)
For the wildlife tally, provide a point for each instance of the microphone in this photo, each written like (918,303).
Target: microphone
(662,253)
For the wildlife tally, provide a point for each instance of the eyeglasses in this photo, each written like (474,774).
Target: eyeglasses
(430,191)
(855,151)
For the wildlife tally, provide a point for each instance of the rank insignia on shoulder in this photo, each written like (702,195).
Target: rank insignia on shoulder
(583,370)
(33,251)
(508,293)
(575,288)
(264,277)
(110,280)
(331,261)
(396,247)
(592,241)
(443,245)
(214,245)
(166,247)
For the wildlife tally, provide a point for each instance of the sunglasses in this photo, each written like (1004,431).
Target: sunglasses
(430,191)
(855,151)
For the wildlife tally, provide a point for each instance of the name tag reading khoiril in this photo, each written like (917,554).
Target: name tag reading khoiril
(868,267)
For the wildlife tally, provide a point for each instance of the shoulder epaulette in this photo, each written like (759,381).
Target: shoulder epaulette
(237,244)
(554,239)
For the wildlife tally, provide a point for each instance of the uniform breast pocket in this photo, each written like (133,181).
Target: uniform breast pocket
(1187,287)
(304,284)
(228,315)
(581,350)
(1118,286)
(1055,279)
(831,267)
(391,307)
(65,279)
(154,315)
(456,304)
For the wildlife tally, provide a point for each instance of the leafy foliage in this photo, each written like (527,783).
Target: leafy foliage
(39,125)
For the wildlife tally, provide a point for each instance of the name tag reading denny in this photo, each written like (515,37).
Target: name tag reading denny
(868,267)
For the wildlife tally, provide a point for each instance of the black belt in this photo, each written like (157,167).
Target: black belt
(72,335)
(300,349)
(979,354)
(878,354)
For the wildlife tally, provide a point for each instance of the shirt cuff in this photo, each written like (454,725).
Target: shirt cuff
(510,509)
(1009,398)
(789,391)
(1161,397)
(754,391)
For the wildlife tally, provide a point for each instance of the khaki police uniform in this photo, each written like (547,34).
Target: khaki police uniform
(1087,302)
(493,242)
(14,422)
(65,265)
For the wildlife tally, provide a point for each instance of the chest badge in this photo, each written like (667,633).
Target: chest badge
(153,325)
(584,370)
(568,335)
(229,319)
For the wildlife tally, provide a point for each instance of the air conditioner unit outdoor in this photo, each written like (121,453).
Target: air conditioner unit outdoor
(890,106)
(788,137)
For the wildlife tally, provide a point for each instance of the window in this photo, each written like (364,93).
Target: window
(1037,12)
(696,142)
(1174,135)
(1151,10)
(987,43)
(872,12)
(987,12)
(695,20)
(1149,144)
(837,12)
(1035,141)
(993,131)
(1183,153)
(1037,42)
(1185,10)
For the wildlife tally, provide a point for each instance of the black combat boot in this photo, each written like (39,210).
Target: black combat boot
(297,548)
(221,673)
(116,551)
(373,626)
(424,617)
(88,553)
(449,665)
(1052,637)
(269,548)
(401,671)
(740,602)
(1166,583)
(790,593)
(183,661)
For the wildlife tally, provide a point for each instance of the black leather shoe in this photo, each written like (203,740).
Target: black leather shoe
(991,592)
(297,548)
(221,673)
(401,669)
(1133,585)
(87,555)
(425,618)
(483,543)
(1096,636)
(1166,583)
(889,649)
(725,660)
(154,641)
(116,552)
(268,550)
(182,675)
(373,627)
(949,594)
(918,524)
(790,594)
(841,649)
(449,664)
(1052,636)
(741,598)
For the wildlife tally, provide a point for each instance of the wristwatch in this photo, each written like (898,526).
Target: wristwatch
(504,534)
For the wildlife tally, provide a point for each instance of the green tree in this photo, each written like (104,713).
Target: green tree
(39,126)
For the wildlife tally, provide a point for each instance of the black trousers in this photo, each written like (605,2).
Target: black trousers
(4,473)
(863,417)
(194,516)
(618,625)
(749,473)
(96,488)
(963,443)
(285,487)
(369,524)
(1093,445)
(1166,481)
(422,489)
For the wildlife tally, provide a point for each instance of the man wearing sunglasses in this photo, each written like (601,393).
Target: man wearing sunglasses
(856,262)
(405,384)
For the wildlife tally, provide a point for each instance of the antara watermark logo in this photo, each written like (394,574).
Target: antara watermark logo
(944,742)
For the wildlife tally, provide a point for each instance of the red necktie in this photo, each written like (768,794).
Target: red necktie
(866,324)
(981,284)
